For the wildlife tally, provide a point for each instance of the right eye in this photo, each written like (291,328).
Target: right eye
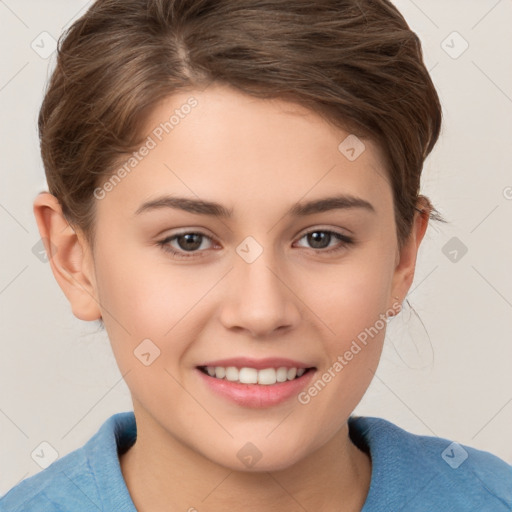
(186,242)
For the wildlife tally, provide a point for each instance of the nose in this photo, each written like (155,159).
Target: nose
(260,298)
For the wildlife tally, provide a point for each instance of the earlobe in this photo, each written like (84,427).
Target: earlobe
(69,256)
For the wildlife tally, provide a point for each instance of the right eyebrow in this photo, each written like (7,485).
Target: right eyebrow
(198,206)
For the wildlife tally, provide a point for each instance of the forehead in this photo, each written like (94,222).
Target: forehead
(222,145)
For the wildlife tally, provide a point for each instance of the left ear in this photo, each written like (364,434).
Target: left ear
(404,271)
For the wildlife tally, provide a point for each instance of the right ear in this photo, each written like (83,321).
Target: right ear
(70,257)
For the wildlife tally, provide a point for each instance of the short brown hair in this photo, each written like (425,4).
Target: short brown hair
(356,62)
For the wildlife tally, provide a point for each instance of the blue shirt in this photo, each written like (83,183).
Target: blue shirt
(410,473)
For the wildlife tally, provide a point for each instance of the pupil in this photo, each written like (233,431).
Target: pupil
(317,237)
(190,243)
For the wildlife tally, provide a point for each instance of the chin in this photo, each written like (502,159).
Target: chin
(250,459)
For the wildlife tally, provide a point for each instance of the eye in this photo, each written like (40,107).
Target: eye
(321,238)
(189,242)
(192,242)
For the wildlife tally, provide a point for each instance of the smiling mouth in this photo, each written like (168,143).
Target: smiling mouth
(247,375)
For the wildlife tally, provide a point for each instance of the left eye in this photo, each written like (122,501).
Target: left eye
(192,242)
(319,237)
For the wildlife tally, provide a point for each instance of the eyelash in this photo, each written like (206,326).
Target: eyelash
(164,244)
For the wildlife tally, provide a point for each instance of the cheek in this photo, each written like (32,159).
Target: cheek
(142,294)
(359,305)
(141,300)
(351,296)
(354,309)
(351,300)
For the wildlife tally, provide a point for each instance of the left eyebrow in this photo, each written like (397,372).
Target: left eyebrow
(330,203)
(214,209)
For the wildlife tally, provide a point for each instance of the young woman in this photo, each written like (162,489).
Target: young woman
(234,194)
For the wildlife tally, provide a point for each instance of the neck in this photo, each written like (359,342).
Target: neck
(162,474)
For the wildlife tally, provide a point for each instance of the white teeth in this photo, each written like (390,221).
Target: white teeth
(266,376)
(248,375)
(281,374)
(232,373)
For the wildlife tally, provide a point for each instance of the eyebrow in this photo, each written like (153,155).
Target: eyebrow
(214,209)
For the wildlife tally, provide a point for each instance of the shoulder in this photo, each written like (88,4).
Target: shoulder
(427,471)
(73,481)
(54,487)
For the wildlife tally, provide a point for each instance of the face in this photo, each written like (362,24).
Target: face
(279,280)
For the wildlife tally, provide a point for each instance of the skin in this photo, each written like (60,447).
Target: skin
(258,157)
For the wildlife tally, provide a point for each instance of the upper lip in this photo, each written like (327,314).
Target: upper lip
(258,364)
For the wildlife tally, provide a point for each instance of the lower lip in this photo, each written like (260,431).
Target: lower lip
(257,395)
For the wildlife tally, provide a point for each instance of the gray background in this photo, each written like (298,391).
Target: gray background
(445,373)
